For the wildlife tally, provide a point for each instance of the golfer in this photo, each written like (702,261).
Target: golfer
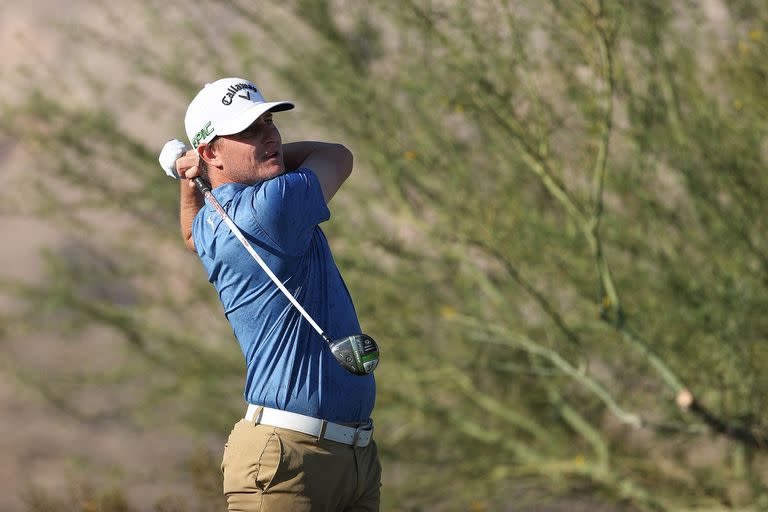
(305,442)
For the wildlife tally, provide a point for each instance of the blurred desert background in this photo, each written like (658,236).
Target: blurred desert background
(556,230)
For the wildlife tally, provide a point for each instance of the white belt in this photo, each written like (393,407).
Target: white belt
(359,436)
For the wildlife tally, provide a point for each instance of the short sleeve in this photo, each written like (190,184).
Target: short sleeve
(287,208)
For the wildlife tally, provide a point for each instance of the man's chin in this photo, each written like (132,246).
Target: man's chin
(273,170)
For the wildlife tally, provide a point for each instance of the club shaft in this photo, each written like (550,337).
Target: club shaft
(203,187)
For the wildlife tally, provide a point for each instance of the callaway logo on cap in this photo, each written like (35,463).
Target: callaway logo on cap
(226,107)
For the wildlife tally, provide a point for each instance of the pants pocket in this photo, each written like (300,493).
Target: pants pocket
(252,457)
(269,462)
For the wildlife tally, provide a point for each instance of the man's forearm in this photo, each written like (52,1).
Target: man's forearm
(331,163)
(190,203)
(295,153)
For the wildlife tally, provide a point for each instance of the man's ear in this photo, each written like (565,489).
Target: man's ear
(208,153)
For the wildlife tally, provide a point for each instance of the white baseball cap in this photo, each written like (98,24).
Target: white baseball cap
(226,107)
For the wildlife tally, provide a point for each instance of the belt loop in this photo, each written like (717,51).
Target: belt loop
(257,414)
(355,437)
(323,426)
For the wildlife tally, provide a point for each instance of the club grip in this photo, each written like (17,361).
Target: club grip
(201,184)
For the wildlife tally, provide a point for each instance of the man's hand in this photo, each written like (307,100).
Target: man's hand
(187,166)
(171,152)
(179,162)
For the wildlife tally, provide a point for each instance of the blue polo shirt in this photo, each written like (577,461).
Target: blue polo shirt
(289,366)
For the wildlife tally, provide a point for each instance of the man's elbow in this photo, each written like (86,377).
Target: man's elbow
(345,160)
(190,244)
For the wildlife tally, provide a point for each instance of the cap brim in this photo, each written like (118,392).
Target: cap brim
(248,116)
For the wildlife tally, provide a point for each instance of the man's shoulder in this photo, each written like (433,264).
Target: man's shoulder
(302,174)
(228,191)
(294,188)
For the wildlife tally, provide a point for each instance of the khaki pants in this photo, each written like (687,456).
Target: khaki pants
(275,469)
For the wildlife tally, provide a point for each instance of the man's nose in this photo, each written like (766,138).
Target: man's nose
(272,134)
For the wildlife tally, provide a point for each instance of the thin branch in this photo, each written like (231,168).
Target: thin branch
(545,305)
(492,406)
(745,436)
(530,157)
(513,339)
(581,425)
(600,168)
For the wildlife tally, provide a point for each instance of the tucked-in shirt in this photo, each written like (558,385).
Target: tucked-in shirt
(289,366)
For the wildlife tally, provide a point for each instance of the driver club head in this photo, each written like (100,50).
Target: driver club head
(358,353)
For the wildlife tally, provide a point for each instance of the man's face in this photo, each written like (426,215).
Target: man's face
(253,155)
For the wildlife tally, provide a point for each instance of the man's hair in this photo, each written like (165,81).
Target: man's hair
(203,165)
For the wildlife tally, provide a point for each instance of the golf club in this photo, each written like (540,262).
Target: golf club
(357,353)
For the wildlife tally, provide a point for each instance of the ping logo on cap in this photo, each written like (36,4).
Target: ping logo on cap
(233,89)
(202,134)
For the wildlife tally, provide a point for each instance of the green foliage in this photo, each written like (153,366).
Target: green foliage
(82,498)
(555,231)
